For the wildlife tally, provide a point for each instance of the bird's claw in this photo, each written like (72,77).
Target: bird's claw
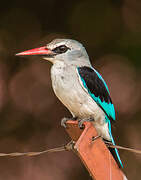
(80,124)
(81,121)
(64,121)
(95,137)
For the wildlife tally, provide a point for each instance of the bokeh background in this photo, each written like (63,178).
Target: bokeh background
(30,113)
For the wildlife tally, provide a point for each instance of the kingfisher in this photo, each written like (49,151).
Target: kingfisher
(79,86)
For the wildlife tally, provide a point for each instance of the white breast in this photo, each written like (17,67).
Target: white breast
(71,93)
(68,89)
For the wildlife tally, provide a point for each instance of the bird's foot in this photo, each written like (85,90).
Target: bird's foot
(81,121)
(64,121)
(107,141)
(95,137)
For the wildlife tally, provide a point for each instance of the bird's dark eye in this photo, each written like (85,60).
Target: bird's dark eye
(60,49)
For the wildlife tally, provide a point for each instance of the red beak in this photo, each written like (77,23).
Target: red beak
(37,51)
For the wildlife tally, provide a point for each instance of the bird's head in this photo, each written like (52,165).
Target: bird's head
(64,50)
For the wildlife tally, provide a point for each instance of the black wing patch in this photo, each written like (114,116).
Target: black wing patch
(97,89)
(94,83)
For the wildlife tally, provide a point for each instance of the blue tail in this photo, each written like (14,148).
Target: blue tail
(113,142)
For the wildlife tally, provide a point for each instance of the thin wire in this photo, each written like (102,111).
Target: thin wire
(15,154)
(67,147)
(124,148)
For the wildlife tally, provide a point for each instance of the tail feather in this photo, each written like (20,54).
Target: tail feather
(114,151)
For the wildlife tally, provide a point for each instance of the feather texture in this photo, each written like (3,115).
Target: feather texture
(98,90)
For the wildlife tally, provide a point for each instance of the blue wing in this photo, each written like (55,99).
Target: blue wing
(98,90)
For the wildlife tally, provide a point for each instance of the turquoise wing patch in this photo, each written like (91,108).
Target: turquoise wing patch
(106,106)
(100,77)
(97,88)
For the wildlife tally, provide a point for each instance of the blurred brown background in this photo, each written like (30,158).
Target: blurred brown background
(30,113)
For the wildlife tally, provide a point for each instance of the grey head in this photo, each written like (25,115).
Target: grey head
(68,51)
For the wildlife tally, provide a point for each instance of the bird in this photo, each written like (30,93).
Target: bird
(79,86)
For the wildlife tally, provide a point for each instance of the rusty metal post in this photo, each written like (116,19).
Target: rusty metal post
(94,154)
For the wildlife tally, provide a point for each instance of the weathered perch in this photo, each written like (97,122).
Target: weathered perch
(94,154)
